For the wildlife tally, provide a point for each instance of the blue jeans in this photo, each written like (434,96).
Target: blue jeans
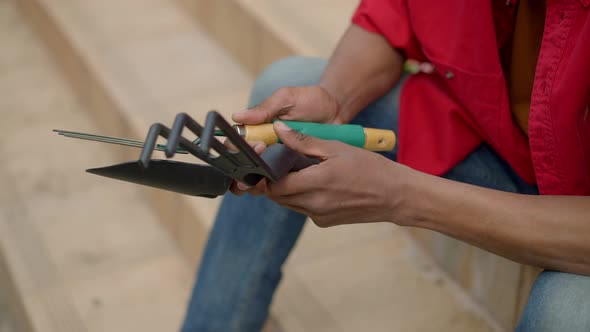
(252,236)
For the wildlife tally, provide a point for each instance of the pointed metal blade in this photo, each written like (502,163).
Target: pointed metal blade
(184,178)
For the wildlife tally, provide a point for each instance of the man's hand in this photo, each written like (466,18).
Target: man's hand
(305,103)
(363,68)
(350,185)
(238,188)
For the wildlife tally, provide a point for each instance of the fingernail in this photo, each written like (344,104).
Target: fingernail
(242,186)
(259,146)
(281,126)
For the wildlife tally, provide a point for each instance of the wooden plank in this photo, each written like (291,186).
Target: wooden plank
(76,253)
(131,75)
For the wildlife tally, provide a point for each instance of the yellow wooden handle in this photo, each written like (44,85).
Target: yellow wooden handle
(375,139)
(379,139)
(261,133)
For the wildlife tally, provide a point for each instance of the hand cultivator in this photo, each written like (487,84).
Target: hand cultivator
(224,165)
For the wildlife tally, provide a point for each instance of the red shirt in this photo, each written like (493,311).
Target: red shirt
(445,115)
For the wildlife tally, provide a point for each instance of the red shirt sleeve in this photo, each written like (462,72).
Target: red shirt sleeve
(391,19)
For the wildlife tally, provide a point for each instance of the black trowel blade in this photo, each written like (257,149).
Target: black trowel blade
(184,178)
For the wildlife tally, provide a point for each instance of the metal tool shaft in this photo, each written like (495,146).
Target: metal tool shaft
(111,140)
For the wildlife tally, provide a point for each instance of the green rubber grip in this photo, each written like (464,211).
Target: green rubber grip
(347,133)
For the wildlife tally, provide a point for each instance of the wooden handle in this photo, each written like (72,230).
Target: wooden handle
(262,133)
(375,139)
(379,139)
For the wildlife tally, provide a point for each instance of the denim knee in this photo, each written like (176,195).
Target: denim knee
(290,71)
(558,302)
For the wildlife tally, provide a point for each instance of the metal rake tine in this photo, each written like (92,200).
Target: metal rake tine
(208,141)
(156,130)
(183,120)
(175,139)
(229,161)
(180,121)
(207,138)
(191,147)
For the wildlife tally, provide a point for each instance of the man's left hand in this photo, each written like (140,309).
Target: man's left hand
(350,185)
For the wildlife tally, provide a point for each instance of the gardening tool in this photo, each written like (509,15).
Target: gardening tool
(225,165)
(366,138)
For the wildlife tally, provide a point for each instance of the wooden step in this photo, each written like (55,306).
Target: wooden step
(132,71)
(258,32)
(76,253)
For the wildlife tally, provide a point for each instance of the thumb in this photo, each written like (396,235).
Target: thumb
(302,143)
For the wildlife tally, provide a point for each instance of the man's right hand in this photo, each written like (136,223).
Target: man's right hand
(305,103)
(363,67)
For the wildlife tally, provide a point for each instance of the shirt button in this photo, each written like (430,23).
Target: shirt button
(449,74)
